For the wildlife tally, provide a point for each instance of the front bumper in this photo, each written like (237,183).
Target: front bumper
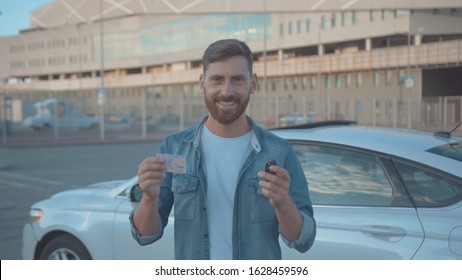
(29,242)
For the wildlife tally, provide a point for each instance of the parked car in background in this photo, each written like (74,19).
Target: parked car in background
(299,118)
(59,113)
(378,193)
(164,121)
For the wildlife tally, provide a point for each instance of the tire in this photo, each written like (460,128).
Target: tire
(64,247)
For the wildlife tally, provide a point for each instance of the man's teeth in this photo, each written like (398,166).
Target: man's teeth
(226,102)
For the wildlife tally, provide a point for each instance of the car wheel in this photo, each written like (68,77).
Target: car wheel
(64,247)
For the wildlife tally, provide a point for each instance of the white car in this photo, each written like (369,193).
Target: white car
(59,113)
(378,193)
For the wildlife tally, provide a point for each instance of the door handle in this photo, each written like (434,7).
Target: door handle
(384,232)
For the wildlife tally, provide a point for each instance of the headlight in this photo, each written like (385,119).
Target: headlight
(35,215)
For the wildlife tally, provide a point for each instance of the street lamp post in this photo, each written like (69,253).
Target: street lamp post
(5,116)
(408,83)
(320,54)
(265,64)
(102,90)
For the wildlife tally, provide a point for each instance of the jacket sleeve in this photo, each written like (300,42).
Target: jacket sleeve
(299,193)
(165,207)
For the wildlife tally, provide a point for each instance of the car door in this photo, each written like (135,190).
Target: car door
(127,248)
(361,209)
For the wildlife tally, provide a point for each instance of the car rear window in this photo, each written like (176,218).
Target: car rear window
(452,150)
(429,189)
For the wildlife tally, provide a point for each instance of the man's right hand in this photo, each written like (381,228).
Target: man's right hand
(150,176)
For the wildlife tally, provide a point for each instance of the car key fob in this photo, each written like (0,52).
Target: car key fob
(268,164)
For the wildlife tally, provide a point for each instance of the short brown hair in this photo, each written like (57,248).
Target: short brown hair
(227,48)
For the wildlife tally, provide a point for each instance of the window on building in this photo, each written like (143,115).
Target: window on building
(354,17)
(384,14)
(308,25)
(328,82)
(299,26)
(323,22)
(372,15)
(348,80)
(289,31)
(376,78)
(281,29)
(313,79)
(388,77)
(286,83)
(377,107)
(338,81)
(359,79)
(401,75)
(304,82)
(343,18)
(333,20)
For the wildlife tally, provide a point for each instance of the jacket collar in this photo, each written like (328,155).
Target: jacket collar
(195,134)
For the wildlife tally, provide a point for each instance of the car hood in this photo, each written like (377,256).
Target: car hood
(102,189)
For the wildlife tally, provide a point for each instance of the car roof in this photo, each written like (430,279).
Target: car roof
(404,143)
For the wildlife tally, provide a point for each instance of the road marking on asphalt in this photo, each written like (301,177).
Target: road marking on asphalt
(7,205)
(15,184)
(38,180)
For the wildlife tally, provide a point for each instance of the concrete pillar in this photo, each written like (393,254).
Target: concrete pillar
(320,49)
(368,44)
(417,39)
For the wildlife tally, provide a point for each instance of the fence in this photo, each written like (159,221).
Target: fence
(156,116)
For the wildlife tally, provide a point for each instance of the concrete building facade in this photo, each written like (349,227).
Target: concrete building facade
(384,64)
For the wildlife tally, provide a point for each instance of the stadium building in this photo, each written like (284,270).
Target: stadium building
(394,63)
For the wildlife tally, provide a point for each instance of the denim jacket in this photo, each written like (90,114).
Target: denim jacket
(255,226)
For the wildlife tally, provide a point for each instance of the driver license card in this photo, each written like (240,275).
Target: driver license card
(175,163)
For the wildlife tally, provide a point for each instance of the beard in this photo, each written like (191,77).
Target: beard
(228,115)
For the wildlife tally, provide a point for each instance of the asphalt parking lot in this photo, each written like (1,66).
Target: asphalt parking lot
(36,172)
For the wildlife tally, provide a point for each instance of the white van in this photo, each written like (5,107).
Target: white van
(51,113)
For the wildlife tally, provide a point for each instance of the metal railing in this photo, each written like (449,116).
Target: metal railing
(154,119)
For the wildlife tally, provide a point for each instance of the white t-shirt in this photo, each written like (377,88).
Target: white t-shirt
(223,159)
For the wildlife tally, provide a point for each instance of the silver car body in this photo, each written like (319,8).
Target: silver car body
(369,225)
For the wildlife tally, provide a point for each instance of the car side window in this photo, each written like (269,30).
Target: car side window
(344,178)
(428,189)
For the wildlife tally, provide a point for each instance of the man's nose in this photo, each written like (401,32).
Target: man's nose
(228,89)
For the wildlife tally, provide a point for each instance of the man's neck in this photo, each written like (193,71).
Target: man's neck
(235,129)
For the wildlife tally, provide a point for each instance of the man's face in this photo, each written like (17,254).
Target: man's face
(227,86)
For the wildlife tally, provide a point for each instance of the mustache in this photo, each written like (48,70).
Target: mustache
(227,99)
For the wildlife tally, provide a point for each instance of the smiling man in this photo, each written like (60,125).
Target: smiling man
(226,205)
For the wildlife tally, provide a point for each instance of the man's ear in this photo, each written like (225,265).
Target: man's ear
(254,85)
(201,83)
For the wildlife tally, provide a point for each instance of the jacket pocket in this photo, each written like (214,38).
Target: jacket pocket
(261,209)
(184,187)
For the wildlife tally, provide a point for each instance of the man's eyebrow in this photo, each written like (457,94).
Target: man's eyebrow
(222,76)
(214,76)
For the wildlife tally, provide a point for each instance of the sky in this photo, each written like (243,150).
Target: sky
(14,15)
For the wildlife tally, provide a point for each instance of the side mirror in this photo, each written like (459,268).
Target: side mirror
(136,194)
